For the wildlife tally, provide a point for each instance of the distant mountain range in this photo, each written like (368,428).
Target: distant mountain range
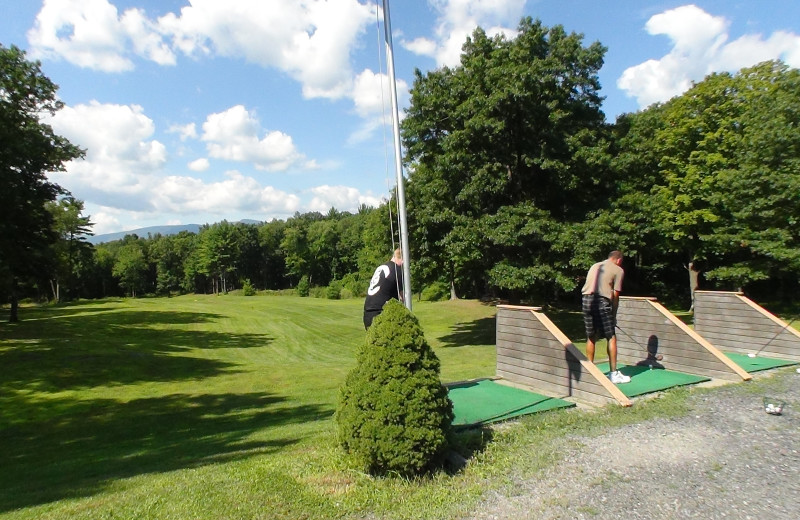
(153,230)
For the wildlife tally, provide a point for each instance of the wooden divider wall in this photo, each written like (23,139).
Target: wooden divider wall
(734,323)
(643,320)
(533,352)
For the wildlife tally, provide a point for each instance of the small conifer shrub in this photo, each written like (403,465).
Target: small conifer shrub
(394,415)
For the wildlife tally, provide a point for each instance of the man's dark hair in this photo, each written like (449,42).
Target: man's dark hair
(615,255)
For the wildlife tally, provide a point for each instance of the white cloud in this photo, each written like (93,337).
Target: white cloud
(120,152)
(311,40)
(199,165)
(457,20)
(186,132)
(235,135)
(700,46)
(91,34)
(371,97)
(123,178)
(343,198)
(104,219)
(237,193)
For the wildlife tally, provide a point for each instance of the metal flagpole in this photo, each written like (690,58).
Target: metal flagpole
(398,159)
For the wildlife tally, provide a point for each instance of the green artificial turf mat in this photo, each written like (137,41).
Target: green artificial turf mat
(757,363)
(485,401)
(645,381)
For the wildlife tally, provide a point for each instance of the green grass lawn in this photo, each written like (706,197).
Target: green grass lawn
(199,407)
(221,407)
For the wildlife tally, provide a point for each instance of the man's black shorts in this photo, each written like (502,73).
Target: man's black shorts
(598,316)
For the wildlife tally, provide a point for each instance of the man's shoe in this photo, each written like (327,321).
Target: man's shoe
(619,378)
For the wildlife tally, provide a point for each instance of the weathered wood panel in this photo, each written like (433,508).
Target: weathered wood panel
(643,322)
(737,324)
(532,352)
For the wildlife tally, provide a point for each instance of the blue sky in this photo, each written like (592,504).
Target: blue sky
(203,110)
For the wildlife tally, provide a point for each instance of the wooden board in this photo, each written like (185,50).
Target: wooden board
(737,324)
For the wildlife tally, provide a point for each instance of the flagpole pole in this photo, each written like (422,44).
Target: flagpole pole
(398,158)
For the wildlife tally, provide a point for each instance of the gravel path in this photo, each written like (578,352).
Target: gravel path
(726,459)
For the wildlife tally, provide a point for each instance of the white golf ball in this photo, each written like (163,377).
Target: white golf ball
(751,355)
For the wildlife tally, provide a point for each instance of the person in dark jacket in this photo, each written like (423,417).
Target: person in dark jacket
(386,283)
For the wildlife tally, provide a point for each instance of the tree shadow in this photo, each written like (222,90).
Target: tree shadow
(66,352)
(477,332)
(85,445)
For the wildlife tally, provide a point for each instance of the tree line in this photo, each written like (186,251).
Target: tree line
(517,183)
(337,252)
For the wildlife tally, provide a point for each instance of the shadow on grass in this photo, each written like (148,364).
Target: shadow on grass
(88,444)
(61,351)
(477,332)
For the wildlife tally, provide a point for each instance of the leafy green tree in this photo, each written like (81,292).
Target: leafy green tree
(170,254)
(217,254)
(71,252)
(130,267)
(295,247)
(248,261)
(507,152)
(272,273)
(30,149)
(323,255)
(394,415)
(722,165)
(100,279)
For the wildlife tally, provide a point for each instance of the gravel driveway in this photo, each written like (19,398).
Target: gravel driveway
(726,459)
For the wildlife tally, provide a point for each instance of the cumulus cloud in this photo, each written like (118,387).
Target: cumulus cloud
(371,97)
(235,135)
(120,152)
(310,40)
(343,198)
(199,165)
(457,19)
(92,34)
(700,46)
(186,132)
(123,171)
(237,193)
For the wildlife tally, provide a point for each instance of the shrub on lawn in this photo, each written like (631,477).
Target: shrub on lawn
(303,287)
(436,292)
(247,288)
(333,290)
(394,415)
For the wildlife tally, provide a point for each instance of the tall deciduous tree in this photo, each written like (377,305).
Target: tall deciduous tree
(30,149)
(130,265)
(724,162)
(507,153)
(71,253)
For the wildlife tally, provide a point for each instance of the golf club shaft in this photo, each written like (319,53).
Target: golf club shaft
(775,336)
(634,340)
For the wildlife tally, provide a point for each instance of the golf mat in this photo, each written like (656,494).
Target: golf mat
(757,363)
(645,381)
(486,401)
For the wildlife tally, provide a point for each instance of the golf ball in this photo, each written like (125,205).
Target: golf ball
(751,355)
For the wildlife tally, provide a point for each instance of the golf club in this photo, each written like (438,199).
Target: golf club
(657,357)
(756,353)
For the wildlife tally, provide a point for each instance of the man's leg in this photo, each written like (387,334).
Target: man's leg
(590,349)
(612,353)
